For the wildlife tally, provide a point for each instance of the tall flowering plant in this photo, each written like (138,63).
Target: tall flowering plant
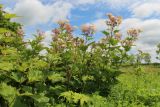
(74,71)
(114,46)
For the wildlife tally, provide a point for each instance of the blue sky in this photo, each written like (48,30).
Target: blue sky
(42,14)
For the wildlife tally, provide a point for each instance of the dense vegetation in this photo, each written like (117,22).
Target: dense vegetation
(74,71)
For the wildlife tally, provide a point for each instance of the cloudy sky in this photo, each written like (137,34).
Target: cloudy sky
(42,14)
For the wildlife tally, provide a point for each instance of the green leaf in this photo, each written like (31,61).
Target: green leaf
(35,75)
(53,58)
(55,77)
(113,41)
(87,78)
(38,64)
(99,101)
(18,77)
(40,98)
(116,31)
(84,47)
(8,93)
(89,38)
(25,94)
(4,30)
(6,66)
(19,103)
(105,33)
(23,67)
(10,51)
(10,16)
(73,97)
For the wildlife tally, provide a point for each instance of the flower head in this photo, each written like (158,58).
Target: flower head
(62,23)
(127,42)
(56,31)
(55,34)
(20,31)
(118,36)
(119,20)
(133,32)
(113,20)
(68,28)
(88,29)
(111,17)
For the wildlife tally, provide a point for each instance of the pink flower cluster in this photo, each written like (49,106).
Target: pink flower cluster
(88,30)
(114,21)
(133,32)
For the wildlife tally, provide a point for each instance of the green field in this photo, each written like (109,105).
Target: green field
(137,89)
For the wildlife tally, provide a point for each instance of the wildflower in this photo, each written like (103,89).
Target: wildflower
(20,31)
(113,21)
(88,29)
(127,42)
(85,28)
(133,32)
(78,41)
(111,18)
(68,28)
(56,31)
(118,36)
(119,20)
(62,22)
(55,34)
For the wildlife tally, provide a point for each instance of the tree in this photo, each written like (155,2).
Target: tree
(158,51)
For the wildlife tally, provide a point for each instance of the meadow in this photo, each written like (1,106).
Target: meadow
(137,89)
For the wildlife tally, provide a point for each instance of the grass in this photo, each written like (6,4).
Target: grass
(137,89)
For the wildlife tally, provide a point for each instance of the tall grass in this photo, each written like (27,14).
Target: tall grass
(140,89)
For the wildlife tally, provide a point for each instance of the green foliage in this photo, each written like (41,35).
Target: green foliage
(105,32)
(10,16)
(55,77)
(75,98)
(137,90)
(6,66)
(158,51)
(8,93)
(74,71)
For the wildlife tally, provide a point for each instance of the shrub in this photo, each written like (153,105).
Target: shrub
(73,68)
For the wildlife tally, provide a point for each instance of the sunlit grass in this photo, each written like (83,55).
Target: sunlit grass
(138,89)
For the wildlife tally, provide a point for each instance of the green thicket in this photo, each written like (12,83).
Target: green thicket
(73,72)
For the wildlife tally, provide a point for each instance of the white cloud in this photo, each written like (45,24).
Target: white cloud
(100,24)
(150,36)
(146,9)
(117,4)
(80,2)
(34,12)
(150,28)
(85,1)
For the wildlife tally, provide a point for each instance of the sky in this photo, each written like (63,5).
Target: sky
(43,14)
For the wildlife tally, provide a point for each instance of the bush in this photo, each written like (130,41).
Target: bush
(70,73)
